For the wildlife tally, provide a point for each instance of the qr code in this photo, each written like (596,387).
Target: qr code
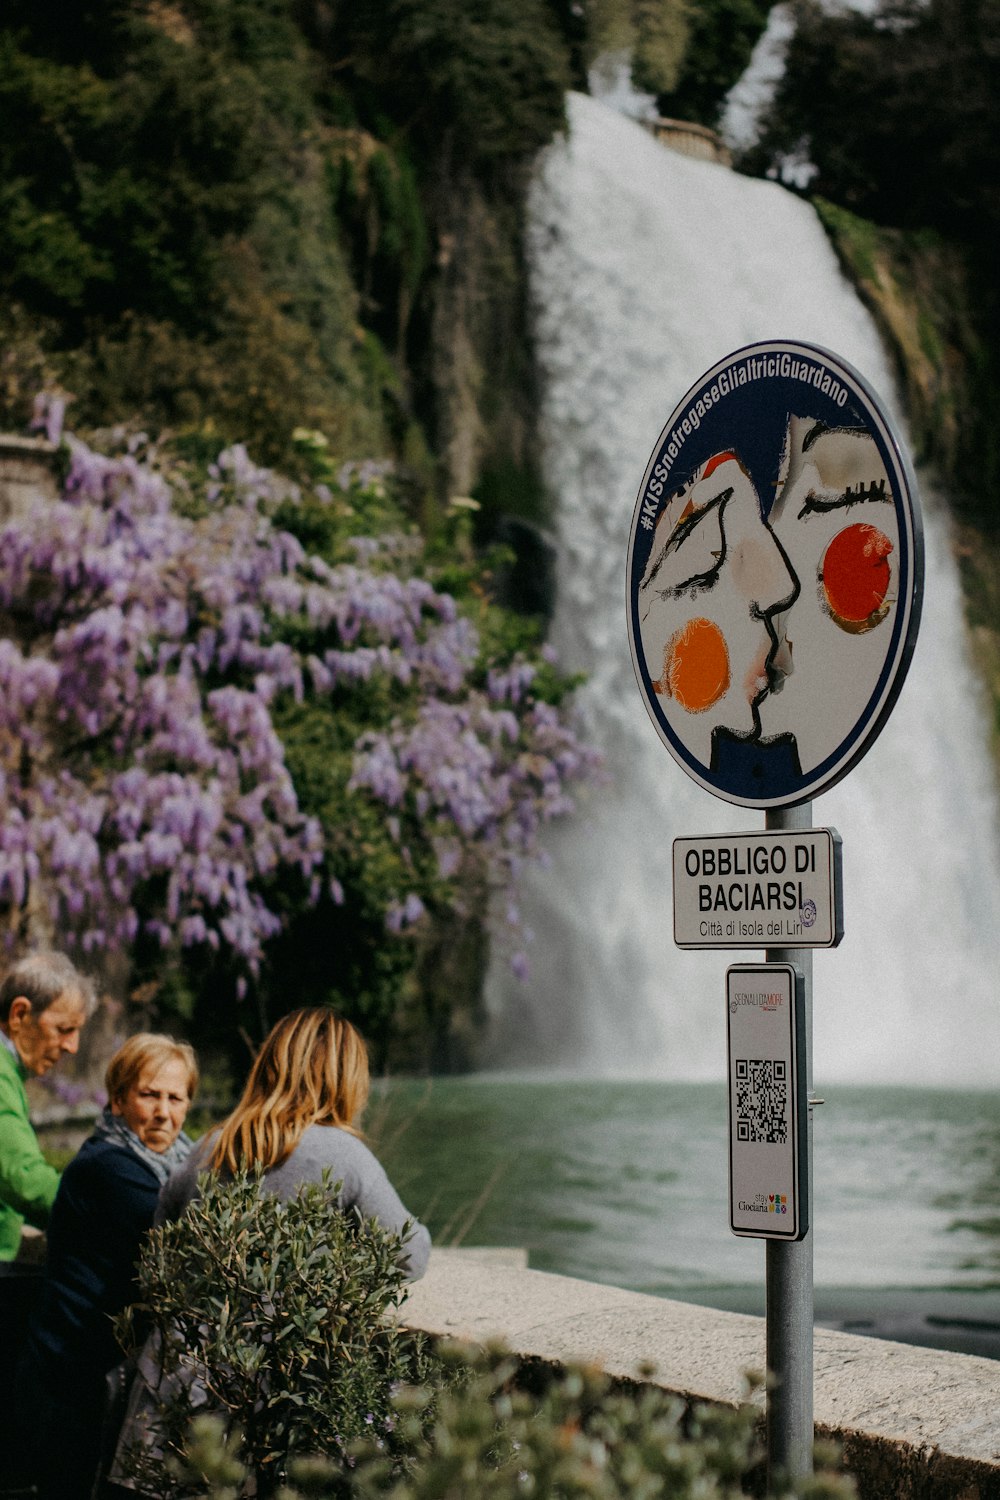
(761,1101)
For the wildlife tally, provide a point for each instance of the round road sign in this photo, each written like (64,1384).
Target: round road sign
(775,575)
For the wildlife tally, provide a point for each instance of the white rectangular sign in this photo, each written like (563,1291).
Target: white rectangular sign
(779,889)
(768,1122)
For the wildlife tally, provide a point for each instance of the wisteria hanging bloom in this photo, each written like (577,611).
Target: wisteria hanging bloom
(144,791)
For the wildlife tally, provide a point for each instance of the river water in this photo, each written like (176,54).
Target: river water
(627,1183)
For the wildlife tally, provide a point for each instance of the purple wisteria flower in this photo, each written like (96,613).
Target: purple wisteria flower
(144,791)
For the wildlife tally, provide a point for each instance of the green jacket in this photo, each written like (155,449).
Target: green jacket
(27,1183)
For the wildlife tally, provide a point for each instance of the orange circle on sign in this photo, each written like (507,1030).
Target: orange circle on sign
(856,576)
(695,666)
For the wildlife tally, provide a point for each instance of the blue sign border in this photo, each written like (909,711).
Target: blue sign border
(743,404)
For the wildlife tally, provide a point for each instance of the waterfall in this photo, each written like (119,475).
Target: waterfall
(646,268)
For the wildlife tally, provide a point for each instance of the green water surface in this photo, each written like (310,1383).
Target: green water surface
(627,1183)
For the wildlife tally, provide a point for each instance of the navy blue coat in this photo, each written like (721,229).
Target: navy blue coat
(103,1209)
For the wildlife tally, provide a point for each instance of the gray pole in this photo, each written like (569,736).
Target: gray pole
(790,1269)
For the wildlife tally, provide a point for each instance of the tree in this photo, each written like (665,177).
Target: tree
(483,84)
(718,38)
(898,110)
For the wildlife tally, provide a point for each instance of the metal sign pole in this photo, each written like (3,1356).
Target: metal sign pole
(778,470)
(790,1267)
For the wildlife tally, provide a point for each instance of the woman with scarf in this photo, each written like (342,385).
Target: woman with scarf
(103,1209)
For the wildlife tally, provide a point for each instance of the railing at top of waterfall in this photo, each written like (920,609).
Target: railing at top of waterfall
(690,139)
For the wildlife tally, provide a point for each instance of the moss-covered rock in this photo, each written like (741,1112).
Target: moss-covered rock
(918,288)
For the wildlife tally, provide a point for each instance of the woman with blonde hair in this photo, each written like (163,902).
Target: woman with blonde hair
(297,1119)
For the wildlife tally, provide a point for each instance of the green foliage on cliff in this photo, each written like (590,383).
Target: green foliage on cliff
(166,208)
(250,215)
(481,83)
(898,110)
(232,211)
(918,287)
(720,36)
(662,36)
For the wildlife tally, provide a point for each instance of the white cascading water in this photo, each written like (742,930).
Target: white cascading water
(646,268)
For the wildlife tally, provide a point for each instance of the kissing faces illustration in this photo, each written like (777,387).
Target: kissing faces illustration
(775,575)
(762,628)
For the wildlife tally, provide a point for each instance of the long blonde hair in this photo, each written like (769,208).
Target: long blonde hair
(311,1070)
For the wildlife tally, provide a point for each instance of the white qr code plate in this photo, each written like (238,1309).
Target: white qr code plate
(768,1154)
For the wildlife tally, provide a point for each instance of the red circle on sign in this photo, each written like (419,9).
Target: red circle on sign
(856,576)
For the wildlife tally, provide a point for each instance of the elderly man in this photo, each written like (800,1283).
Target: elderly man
(44,1002)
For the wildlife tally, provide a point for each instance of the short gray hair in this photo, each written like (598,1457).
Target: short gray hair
(42,978)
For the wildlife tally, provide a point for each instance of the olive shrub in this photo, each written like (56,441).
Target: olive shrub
(276,1318)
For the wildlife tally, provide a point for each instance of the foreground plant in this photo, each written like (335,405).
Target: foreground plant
(282,1370)
(503,1433)
(276,1320)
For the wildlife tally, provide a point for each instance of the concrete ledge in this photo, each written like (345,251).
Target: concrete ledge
(914,1422)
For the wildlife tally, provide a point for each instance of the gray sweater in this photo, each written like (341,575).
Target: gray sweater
(322,1148)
